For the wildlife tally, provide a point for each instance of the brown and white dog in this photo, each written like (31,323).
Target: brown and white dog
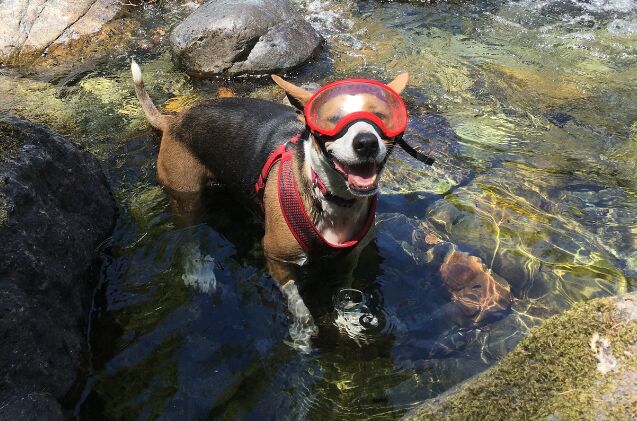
(317,190)
(230,140)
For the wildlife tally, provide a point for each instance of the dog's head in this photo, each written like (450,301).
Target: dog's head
(353,126)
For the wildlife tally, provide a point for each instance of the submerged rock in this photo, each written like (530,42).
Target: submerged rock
(230,37)
(55,210)
(578,365)
(29,27)
(473,287)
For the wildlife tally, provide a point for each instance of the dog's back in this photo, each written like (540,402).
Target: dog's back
(228,138)
(233,137)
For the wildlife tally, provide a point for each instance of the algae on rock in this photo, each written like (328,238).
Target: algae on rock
(553,371)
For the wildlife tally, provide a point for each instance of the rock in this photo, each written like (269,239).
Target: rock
(34,406)
(473,287)
(31,26)
(55,210)
(561,370)
(231,37)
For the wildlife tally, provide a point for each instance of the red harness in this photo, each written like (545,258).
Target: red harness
(297,219)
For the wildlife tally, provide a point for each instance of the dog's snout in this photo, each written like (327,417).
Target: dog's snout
(365,144)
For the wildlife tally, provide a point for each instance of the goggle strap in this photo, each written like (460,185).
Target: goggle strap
(321,142)
(414,152)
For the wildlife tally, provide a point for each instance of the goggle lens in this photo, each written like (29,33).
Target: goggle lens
(339,103)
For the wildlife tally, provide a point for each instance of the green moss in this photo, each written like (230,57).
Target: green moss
(501,200)
(551,372)
(4,215)
(144,204)
(11,138)
(36,101)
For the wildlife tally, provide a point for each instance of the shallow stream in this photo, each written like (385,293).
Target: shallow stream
(530,108)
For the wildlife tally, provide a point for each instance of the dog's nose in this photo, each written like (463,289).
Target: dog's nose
(365,144)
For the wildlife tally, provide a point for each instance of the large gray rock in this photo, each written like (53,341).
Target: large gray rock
(55,210)
(233,37)
(31,26)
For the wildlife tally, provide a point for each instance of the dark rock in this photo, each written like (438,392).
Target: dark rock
(558,118)
(230,37)
(33,407)
(55,210)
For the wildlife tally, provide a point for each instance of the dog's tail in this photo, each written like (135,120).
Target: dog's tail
(155,118)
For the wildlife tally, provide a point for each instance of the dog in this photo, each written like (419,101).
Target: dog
(313,170)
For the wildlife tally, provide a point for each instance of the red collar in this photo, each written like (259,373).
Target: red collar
(296,217)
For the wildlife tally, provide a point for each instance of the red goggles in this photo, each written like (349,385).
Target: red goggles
(339,103)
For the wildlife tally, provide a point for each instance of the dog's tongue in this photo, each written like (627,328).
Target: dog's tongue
(362,177)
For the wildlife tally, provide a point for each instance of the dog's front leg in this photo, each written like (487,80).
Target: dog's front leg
(303,327)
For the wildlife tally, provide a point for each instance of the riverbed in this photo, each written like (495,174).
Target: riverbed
(530,109)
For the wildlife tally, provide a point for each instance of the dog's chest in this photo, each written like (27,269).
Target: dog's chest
(339,224)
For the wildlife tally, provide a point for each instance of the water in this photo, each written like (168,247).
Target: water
(530,109)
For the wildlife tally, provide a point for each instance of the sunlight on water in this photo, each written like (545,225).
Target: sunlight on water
(529,108)
(199,271)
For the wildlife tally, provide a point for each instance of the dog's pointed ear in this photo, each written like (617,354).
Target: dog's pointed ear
(297,95)
(399,83)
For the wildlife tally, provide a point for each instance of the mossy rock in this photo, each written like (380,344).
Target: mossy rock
(11,138)
(559,371)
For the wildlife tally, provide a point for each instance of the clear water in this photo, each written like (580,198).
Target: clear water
(530,108)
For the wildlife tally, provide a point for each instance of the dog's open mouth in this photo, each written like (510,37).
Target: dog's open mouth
(361,178)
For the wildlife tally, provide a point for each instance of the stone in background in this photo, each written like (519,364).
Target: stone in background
(31,26)
(231,37)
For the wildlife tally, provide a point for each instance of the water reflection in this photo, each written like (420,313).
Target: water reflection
(183,351)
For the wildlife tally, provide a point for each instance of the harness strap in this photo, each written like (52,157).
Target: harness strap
(293,210)
(267,167)
(299,222)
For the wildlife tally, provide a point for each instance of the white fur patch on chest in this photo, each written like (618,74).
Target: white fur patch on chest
(340,224)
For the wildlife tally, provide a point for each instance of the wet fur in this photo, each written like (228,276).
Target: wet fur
(219,139)
(214,138)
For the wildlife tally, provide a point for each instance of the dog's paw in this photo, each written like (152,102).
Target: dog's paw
(303,327)
(301,333)
(354,317)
